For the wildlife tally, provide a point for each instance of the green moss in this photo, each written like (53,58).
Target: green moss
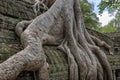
(6,51)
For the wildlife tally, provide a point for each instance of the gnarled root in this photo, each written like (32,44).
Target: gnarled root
(21,26)
(63,25)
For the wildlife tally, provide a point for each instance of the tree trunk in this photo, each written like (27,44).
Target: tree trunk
(62,24)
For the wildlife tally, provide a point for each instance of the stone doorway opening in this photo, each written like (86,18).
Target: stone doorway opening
(117,74)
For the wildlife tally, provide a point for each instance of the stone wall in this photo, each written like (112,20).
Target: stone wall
(113,39)
(11,12)
(115,36)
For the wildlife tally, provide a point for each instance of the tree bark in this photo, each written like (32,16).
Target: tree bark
(63,25)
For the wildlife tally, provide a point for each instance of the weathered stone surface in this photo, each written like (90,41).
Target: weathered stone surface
(101,36)
(58,63)
(17,8)
(115,36)
(114,61)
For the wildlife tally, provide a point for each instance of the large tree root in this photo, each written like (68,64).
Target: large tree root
(61,25)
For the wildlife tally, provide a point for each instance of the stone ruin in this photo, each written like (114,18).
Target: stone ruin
(13,11)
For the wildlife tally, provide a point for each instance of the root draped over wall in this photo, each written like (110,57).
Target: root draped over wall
(62,24)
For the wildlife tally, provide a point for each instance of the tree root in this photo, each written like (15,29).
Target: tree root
(61,25)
